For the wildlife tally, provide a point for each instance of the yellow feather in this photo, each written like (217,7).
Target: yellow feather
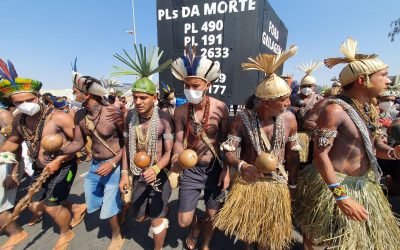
(268,63)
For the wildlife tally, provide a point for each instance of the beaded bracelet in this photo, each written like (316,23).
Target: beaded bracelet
(124,172)
(339,192)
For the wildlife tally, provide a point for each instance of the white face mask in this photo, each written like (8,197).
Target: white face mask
(194,96)
(29,108)
(385,106)
(172,102)
(306,91)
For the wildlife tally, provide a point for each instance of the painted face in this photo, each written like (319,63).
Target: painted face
(144,103)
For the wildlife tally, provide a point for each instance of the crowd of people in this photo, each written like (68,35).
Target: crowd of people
(290,158)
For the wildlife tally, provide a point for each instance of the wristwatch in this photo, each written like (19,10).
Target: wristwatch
(114,165)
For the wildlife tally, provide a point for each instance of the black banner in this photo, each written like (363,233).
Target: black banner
(225,31)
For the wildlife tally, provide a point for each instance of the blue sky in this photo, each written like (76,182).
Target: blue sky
(43,37)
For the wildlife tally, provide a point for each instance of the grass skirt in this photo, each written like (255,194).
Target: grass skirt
(257,212)
(320,219)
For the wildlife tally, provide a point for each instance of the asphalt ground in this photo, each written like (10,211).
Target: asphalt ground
(94,233)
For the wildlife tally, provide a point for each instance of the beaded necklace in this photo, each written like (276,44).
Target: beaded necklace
(198,126)
(34,137)
(366,111)
(139,142)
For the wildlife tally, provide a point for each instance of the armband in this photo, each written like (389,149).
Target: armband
(295,138)
(168,136)
(324,135)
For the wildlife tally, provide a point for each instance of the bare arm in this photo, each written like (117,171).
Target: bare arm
(179,133)
(78,141)
(330,119)
(235,129)
(14,140)
(168,125)
(292,156)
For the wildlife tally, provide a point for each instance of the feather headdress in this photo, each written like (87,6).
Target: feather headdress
(272,86)
(191,65)
(87,84)
(146,66)
(308,68)
(11,84)
(357,64)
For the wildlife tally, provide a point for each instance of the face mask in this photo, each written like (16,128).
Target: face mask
(306,91)
(194,96)
(385,106)
(172,102)
(29,108)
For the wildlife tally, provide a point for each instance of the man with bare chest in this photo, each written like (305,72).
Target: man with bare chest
(149,138)
(34,122)
(339,201)
(260,199)
(201,126)
(103,124)
(9,179)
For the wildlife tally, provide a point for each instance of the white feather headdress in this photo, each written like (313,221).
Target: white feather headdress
(191,65)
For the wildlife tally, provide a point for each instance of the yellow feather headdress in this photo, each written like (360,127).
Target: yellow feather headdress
(272,86)
(308,68)
(357,64)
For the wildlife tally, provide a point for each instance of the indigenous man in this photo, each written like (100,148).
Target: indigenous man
(356,214)
(34,122)
(150,132)
(388,111)
(258,207)
(200,125)
(9,180)
(97,120)
(168,101)
(302,104)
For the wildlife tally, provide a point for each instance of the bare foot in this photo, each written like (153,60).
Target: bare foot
(64,240)
(116,242)
(14,240)
(36,218)
(79,214)
(192,238)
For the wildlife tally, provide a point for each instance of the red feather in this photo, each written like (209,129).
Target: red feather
(4,68)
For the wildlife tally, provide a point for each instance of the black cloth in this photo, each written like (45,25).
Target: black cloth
(147,201)
(57,187)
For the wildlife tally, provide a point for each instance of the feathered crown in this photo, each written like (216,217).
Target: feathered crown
(168,92)
(357,64)
(87,84)
(11,84)
(146,66)
(191,65)
(272,86)
(308,68)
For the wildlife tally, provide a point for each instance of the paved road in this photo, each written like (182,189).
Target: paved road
(94,233)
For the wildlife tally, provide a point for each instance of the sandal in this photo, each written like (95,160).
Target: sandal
(190,240)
